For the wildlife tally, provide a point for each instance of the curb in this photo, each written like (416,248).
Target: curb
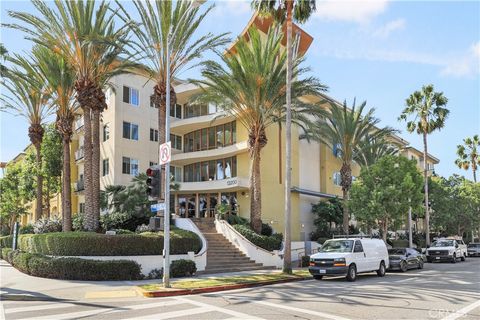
(182,292)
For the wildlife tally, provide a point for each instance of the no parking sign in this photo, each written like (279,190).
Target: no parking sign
(165,153)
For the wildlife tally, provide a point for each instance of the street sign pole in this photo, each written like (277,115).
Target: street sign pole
(166,243)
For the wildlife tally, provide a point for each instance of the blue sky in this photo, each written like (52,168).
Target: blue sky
(378,51)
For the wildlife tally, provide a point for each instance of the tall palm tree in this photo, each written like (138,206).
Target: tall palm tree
(176,22)
(371,149)
(427,108)
(287,10)
(344,129)
(59,78)
(28,99)
(251,86)
(85,34)
(468,155)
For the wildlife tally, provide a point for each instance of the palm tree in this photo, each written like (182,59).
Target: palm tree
(468,155)
(162,21)
(344,129)
(371,149)
(251,86)
(59,78)
(29,100)
(427,108)
(85,35)
(288,10)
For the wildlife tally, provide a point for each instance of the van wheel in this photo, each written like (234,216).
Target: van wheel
(454,258)
(464,258)
(403,266)
(317,277)
(420,264)
(382,270)
(352,273)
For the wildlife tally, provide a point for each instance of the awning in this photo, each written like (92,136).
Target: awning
(314,193)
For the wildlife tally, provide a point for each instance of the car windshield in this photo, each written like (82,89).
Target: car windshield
(337,246)
(474,245)
(396,251)
(443,243)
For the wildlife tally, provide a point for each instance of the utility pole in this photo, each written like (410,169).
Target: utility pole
(166,212)
(410,236)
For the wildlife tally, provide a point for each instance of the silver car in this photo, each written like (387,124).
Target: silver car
(473,249)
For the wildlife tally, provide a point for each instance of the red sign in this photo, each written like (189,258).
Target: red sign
(165,153)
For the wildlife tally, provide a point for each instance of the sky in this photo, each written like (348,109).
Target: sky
(376,51)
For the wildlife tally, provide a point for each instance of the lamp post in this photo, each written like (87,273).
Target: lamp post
(410,236)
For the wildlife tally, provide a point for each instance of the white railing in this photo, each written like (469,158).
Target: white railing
(79,123)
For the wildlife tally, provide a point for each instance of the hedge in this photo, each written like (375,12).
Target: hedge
(95,244)
(182,268)
(6,241)
(274,242)
(72,268)
(400,243)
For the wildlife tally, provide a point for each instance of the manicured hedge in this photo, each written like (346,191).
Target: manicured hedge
(73,268)
(95,244)
(6,241)
(400,243)
(274,242)
(182,268)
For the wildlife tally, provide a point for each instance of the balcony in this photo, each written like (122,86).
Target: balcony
(79,124)
(79,154)
(230,184)
(186,125)
(196,156)
(79,185)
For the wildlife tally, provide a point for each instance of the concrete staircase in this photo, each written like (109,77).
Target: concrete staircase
(222,255)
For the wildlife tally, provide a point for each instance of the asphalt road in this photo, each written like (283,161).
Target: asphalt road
(440,291)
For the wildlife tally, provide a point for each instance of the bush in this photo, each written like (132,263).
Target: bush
(74,268)
(123,231)
(47,225)
(182,268)
(234,219)
(6,241)
(27,229)
(400,243)
(271,243)
(95,244)
(155,274)
(266,230)
(123,220)
(78,221)
(142,228)
(305,262)
(4,253)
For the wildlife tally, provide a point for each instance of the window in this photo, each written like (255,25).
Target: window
(152,103)
(130,166)
(210,138)
(81,207)
(105,167)
(337,178)
(358,247)
(106,132)
(130,96)
(153,135)
(176,173)
(130,131)
(211,170)
(176,111)
(196,110)
(176,141)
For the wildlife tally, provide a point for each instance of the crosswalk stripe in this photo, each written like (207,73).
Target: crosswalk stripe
(39,307)
(315,313)
(219,309)
(174,314)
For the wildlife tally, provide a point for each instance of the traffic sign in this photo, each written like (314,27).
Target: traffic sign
(157,207)
(165,152)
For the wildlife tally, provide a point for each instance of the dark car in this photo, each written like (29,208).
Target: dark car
(404,258)
(421,254)
(473,249)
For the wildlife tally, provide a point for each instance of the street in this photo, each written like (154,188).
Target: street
(439,291)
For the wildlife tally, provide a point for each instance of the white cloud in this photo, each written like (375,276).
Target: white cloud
(353,11)
(466,65)
(391,26)
(232,7)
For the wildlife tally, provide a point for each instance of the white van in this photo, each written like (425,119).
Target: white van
(349,256)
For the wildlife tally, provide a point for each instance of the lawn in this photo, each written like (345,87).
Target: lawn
(228,281)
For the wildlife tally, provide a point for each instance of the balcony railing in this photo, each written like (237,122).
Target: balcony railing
(79,185)
(79,154)
(79,123)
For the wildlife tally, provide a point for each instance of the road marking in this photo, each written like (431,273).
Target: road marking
(459,281)
(39,307)
(2,311)
(462,312)
(174,314)
(315,313)
(110,294)
(219,309)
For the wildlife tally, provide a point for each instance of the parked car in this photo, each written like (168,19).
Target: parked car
(446,250)
(404,258)
(421,254)
(348,257)
(473,249)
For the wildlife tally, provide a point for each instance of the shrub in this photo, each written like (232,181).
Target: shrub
(6,241)
(122,231)
(4,253)
(78,221)
(271,243)
(182,268)
(155,274)
(266,230)
(142,228)
(400,243)
(27,229)
(74,268)
(47,225)
(95,244)
(305,261)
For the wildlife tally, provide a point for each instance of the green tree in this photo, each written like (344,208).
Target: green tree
(327,213)
(380,196)
(344,129)
(28,99)
(287,10)
(468,155)
(427,108)
(178,23)
(250,85)
(3,58)
(84,33)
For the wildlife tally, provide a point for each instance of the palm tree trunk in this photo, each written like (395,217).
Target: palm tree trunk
(287,257)
(39,204)
(66,188)
(255,192)
(474,170)
(346,183)
(96,167)
(425,176)
(87,172)
(47,197)
(280,180)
